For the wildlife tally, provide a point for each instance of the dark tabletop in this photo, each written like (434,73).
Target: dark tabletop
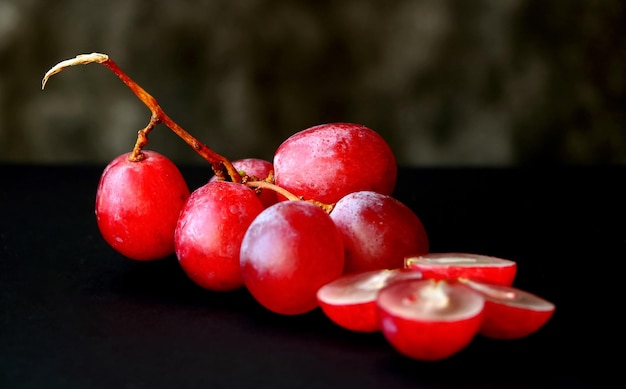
(75,314)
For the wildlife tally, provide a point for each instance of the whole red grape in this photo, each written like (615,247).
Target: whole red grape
(289,251)
(210,230)
(378,231)
(138,203)
(260,169)
(328,161)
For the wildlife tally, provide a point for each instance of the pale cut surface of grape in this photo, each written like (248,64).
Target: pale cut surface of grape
(429,300)
(511,296)
(362,287)
(457,259)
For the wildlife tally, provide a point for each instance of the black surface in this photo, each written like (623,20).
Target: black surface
(75,314)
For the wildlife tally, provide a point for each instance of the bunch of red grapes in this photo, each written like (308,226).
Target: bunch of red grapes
(316,226)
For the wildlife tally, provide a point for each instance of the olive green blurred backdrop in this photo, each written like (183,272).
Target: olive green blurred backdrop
(446,82)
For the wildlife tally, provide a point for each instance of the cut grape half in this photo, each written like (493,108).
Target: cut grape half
(350,301)
(464,265)
(511,313)
(429,319)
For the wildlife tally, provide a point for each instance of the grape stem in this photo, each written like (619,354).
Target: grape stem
(222,167)
(270,186)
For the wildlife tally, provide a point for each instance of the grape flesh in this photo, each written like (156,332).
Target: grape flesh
(289,251)
(138,203)
(378,231)
(429,320)
(328,161)
(210,230)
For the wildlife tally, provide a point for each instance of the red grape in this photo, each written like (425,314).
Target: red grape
(378,231)
(260,169)
(463,265)
(328,161)
(210,230)
(427,319)
(511,313)
(289,251)
(350,300)
(138,203)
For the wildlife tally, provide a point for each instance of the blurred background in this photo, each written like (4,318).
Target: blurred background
(446,82)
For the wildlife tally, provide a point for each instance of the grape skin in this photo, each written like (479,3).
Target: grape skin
(329,161)
(259,169)
(378,231)
(289,251)
(210,230)
(137,205)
